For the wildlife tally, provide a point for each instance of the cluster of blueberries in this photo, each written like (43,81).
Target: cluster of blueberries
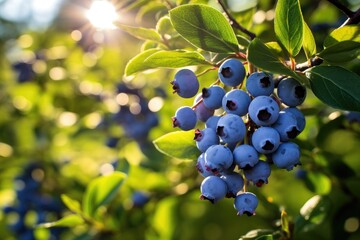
(31,200)
(242,127)
(136,125)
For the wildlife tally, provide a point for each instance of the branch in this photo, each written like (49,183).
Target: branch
(315,61)
(234,23)
(342,7)
(354,19)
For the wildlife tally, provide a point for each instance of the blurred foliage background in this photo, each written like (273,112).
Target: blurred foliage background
(69,116)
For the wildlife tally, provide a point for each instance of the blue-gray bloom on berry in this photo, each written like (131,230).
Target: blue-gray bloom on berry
(246,203)
(185,83)
(213,188)
(232,72)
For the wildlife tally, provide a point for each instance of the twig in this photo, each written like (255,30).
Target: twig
(308,64)
(234,23)
(354,19)
(342,7)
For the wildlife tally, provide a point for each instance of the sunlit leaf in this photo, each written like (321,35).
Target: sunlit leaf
(345,33)
(289,25)
(101,191)
(309,44)
(141,33)
(336,86)
(341,52)
(204,27)
(318,182)
(179,144)
(136,64)
(67,221)
(175,59)
(71,204)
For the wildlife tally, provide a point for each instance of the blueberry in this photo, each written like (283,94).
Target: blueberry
(300,118)
(259,173)
(231,128)
(246,203)
(200,166)
(260,84)
(291,92)
(353,117)
(287,156)
(205,138)
(202,112)
(218,158)
(286,125)
(234,182)
(231,72)
(185,118)
(213,96)
(185,83)
(245,156)
(263,110)
(140,198)
(212,122)
(213,188)
(265,140)
(236,102)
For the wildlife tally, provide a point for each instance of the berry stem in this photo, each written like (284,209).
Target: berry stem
(205,71)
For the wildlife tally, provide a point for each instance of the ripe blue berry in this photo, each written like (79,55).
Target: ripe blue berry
(200,166)
(286,125)
(245,156)
(265,140)
(231,72)
(218,158)
(139,198)
(202,112)
(213,96)
(231,128)
(246,203)
(287,156)
(291,92)
(263,110)
(300,118)
(205,138)
(259,173)
(234,182)
(185,83)
(185,118)
(236,102)
(260,84)
(213,188)
(212,122)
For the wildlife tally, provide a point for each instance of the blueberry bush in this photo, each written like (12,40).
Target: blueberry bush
(188,119)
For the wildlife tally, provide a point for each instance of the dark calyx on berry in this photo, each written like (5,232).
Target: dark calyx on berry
(264,115)
(268,146)
(300,92)
(175,122)
(231,105)
(293,133)
(226,72)
(265,82)
(259,183)
(198,135)
(220,131)
(205,93)
(175,86)
(202,197)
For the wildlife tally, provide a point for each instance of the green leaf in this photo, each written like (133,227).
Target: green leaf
(313,213)
(289,25)
(253,234)
(175,59)
(141,33)
(101,191)
(318,182)
(263,57)
(309,44)
(265,237)
(67,221)
(205,28)
(346,33)
(179,144)
(336,86)
(164,26)
(71,204)
(136,64)
(341,52)
(285,223)
(276,49)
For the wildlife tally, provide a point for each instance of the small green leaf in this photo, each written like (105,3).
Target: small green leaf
(309,44)
(205,28)
(262,57)
(276,49)
(164,26)
(67,221)
(141,33)
(313,213)
(253,234)
(179,144)
(336,86)
(341,52)
(289,25)
(175,59)
(265,237)
(318,182)
(136,64)
(345,33)
(285,223)
(71,204)
(101,191)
